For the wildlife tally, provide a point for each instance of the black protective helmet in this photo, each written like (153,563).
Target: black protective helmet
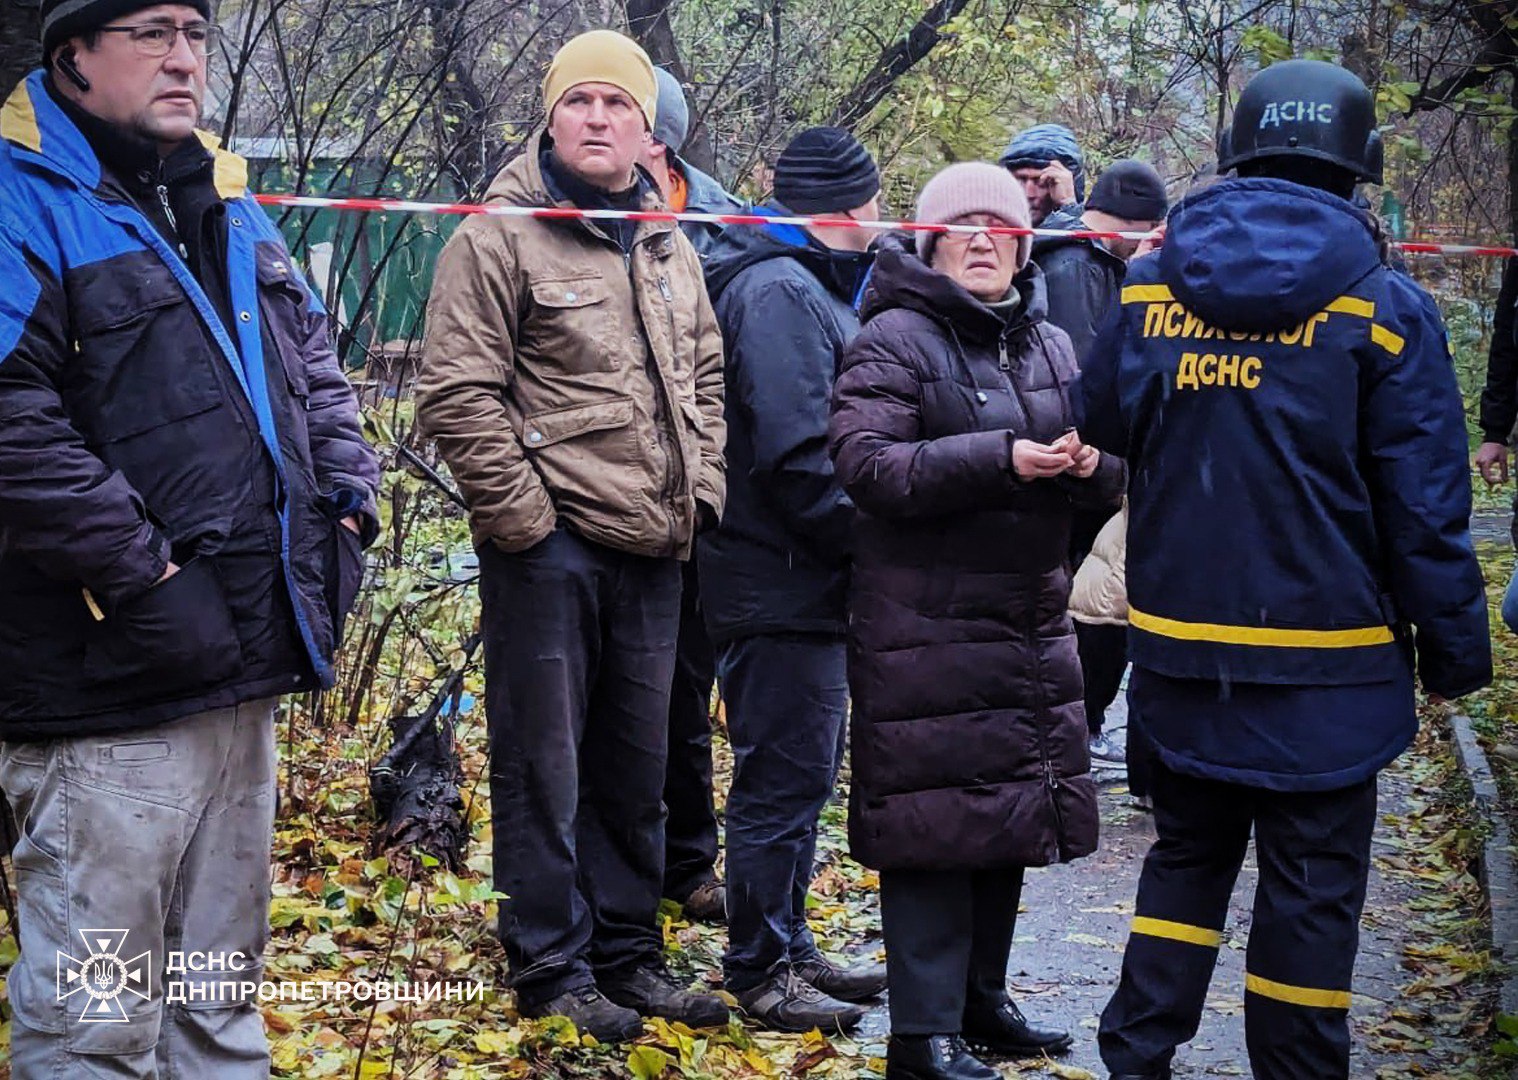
(1305,108)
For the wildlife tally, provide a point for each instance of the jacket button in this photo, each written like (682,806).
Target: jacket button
(244,316)
(571,297)
(535,437)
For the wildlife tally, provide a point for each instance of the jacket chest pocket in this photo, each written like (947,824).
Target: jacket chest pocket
(573,325)
(143,356)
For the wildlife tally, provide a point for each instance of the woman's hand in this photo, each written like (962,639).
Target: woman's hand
(1085,462)
(1038,461)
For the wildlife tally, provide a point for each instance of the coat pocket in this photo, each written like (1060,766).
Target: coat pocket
(345,578)
(547,428)
(177,637)
(571,324)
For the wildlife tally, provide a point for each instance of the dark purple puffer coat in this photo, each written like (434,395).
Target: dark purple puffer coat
(969,733)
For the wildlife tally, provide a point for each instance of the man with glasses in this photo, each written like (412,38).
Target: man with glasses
(184,493)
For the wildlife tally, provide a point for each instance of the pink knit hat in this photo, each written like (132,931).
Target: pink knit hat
(973,187)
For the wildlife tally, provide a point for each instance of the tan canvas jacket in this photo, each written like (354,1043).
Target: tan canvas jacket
(565,381)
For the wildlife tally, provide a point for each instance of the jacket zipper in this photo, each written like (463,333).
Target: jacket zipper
(168,211)
(1051,782)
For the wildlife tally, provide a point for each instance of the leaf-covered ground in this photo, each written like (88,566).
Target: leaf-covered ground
(1422,1006)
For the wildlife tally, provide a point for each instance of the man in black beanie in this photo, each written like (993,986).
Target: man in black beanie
(1085,278)
(774,575)
(184,498)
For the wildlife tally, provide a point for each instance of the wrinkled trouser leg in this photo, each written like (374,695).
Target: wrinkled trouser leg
(690,831)
(787,699)
(159,839)
(1183,893)
(579,657)
(1314,854)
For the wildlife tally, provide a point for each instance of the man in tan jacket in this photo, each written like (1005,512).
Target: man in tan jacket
(572,379)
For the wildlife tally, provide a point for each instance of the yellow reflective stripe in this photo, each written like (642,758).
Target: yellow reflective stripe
(1297,995)
(1137,294)
(1389,341)
(1176,931)
(1353,305)
(18,120)
(1260,635)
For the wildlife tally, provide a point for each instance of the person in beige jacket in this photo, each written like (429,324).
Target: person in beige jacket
(1099,597)
(572,380)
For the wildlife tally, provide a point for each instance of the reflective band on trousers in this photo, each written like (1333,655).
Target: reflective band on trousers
(1297,995)
(1175,931)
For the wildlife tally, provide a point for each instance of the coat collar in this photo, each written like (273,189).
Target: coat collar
(32,122)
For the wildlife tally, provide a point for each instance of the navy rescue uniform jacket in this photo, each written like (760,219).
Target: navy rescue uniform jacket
(1299,490)
(138,424)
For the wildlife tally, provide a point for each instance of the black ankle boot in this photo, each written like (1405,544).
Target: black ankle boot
(934,1057)
(1002,1029)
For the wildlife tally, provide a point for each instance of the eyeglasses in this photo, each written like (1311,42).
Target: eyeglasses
(156,40)
(956,238)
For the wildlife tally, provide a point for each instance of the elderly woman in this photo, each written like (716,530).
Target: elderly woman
(951,431)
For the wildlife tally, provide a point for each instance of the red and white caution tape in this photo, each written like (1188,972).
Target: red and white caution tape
(567,213)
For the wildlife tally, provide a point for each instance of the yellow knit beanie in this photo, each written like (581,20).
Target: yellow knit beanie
(603,56)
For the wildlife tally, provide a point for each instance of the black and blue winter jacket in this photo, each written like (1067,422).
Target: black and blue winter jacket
(139,425)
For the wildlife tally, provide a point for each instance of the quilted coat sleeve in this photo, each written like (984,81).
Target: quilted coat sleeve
(876,440)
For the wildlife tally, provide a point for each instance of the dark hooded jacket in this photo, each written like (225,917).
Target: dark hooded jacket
(1083,280)
(779,562)
(158,402)
(968,729)
(1300,504)
(703,195)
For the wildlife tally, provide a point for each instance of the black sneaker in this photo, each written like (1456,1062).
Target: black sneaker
(652,992)
(591,1012)
(707,903)
(934,1057)
(787,1002)
(1004,1030)
(857,983)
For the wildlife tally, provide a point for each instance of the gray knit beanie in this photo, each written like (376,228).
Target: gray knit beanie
(973,187)
(672,118)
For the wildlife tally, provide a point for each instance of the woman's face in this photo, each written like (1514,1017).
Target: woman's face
(984,265)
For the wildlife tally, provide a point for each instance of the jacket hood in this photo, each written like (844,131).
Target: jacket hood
(705,195)
(902,280)
(1263,255)
(743,246)
(1043,143)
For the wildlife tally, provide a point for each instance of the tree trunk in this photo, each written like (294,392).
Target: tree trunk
(20,42)
(649,22)
(895,62)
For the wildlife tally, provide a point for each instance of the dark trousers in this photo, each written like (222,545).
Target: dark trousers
(947,939)
(579,655)
(1313,850)
(1138,755)
(787,699)
(1104,657)
(690,830)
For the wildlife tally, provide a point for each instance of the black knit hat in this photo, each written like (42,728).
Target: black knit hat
(63,19)
(1131,190)
(825,170)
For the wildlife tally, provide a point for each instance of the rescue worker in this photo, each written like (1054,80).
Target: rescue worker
(1299,542)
